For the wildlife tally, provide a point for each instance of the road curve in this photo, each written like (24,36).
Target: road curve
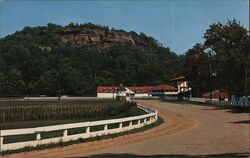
(187,130)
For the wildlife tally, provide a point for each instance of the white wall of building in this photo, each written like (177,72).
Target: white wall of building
(141,95)
(165,93)
(106,95)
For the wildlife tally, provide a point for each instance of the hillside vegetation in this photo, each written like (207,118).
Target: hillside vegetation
(75,59)
(221,62)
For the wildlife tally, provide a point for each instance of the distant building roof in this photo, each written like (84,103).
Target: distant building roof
(135,89)
(142,89)
(179,78)
(107,89)
(164,87)
(216,94)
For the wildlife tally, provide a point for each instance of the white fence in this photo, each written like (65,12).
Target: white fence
(133,123)
(146,97)
(47,98)
(61,98)
(170,98)
(218,102)
(200,100)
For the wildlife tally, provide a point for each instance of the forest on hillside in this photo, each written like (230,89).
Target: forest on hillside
(35,60)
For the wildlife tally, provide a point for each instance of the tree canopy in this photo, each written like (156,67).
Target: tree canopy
(222,61)
(34,61)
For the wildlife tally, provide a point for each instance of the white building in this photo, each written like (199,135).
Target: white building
(182,84)
(137,92)
(111,92)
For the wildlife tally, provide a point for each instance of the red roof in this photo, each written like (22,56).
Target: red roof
(179,78)
(107,89)
(141,89)
(164,87)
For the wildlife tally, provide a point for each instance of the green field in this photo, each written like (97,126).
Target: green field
(26,114)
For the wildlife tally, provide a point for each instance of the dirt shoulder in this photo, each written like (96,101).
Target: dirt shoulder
(187,130)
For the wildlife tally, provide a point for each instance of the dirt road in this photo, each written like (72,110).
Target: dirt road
(187,130)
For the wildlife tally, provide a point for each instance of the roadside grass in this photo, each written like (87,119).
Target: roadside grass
(61,144)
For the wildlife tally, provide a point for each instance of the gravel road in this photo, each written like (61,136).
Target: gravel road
(188,131)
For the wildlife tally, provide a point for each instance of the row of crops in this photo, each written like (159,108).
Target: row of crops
(13,111)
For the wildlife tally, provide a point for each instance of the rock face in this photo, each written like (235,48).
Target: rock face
(96,37)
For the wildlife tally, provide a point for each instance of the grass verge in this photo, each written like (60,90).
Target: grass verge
(61,144)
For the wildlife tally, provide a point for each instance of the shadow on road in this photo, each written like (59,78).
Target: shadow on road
(242,122)
(164,156)
(233,110)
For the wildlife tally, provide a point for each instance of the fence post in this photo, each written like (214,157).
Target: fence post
(38,136)
(105,127)
(1,142)
(120,125)
(130,123)
(65,133)
(139,121)
(87,129)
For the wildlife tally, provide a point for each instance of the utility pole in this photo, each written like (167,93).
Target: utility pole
(113,90)
(210,82)
(246,78)
(59,95)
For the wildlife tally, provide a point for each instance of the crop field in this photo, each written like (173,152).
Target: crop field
(25,114)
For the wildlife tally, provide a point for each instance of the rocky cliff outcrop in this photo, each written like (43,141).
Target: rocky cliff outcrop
(96,37)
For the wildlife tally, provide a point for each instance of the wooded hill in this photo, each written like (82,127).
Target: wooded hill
(74,59)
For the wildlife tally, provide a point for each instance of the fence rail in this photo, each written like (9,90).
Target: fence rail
(200,100)
(170,98)
(141,121)
(217,102)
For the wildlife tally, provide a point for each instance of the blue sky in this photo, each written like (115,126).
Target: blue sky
(177,24)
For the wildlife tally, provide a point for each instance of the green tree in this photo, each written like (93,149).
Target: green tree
(196,68)
(12,83)
(229,45)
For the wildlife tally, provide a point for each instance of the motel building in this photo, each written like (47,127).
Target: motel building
(137,92)
(144,91)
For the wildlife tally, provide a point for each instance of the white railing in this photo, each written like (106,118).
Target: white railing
(141,121)
(170,98)
(146,97)
(56,98)
(200,100)
(217,102)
